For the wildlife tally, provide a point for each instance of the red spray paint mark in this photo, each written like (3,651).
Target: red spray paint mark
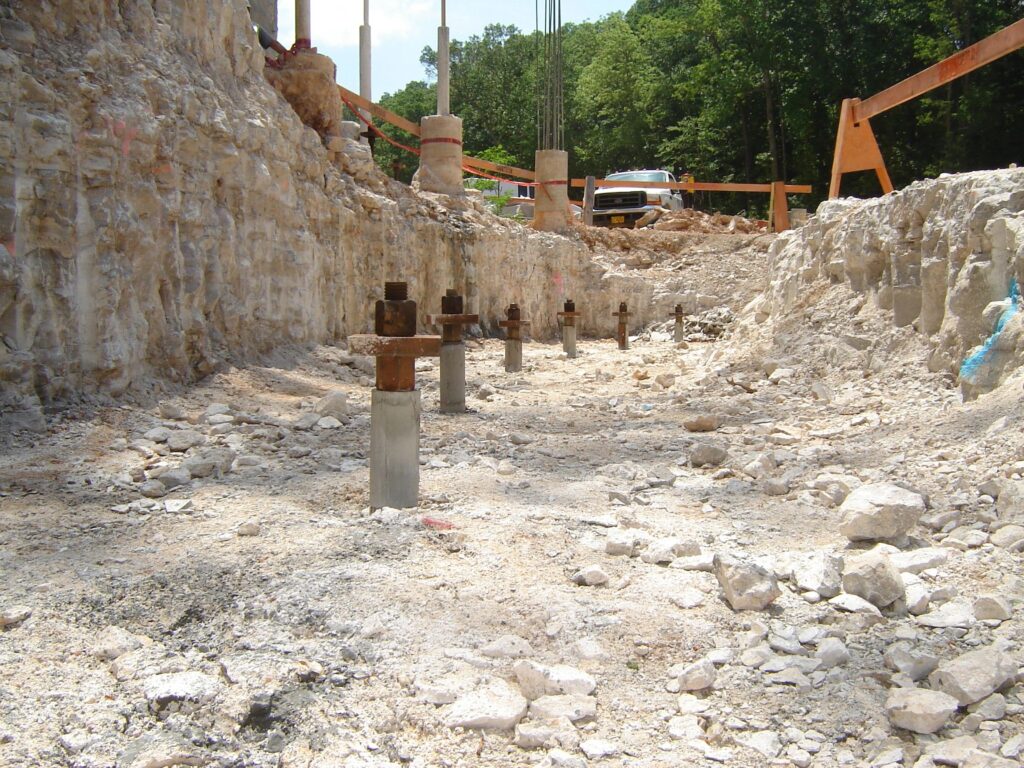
(559,281)
(8,244)
(436,524)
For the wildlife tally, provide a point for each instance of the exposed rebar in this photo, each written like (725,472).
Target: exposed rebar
(550,110)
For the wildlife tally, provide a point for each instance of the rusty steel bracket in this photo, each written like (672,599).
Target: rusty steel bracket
(622,331)
(452,318)
(678,313)
(514,323)
(395,343)
(569,313)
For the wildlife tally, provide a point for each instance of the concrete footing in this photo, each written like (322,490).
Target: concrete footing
(551,207)
(394,449)
(453,378)
(569,340)
(440,155)
(513,355)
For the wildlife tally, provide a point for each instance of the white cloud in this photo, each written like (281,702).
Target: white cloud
(335,23)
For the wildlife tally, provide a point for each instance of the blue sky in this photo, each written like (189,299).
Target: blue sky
(401,28)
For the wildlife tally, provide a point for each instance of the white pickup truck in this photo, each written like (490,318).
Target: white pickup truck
(623,206)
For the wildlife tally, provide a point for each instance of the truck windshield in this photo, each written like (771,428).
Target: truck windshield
(639,176)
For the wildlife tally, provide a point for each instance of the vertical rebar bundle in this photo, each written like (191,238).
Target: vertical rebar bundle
(550,112)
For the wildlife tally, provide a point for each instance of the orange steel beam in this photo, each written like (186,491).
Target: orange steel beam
(697,186)
(410,127)
(856,147)
(1006,40)
(508,170)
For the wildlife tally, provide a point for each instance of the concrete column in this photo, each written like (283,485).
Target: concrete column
(680,332)
(394,449)
(453,378)
(443,62)
(365,82)
(440,155)
(303,35)
(551,208)
(569,340)
(513,355)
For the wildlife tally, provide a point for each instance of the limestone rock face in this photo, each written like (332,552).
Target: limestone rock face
(175,217)
(935,255)
(880,511)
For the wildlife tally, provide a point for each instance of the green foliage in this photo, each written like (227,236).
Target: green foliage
(739,90)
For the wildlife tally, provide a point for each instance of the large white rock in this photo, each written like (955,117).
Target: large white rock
(697,676)
(662,551)
(507,647)
(181,686)
(919,710)
(747,587)
(873,577)
(972,676)
(880,511)
(818,572)
(495,706)
(570,706)
(536,680)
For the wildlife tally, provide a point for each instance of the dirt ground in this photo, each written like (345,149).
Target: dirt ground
(266,617)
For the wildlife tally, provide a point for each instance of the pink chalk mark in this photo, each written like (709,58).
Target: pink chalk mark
(121,130)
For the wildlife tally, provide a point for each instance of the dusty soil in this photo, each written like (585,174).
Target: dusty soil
(322,633)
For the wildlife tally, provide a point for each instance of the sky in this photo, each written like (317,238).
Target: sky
(401,28)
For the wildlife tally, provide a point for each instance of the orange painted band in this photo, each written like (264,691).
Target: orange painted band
(441,140)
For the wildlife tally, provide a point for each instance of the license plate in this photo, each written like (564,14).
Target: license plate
(618,219)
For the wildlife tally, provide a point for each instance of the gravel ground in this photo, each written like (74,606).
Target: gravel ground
(262,615)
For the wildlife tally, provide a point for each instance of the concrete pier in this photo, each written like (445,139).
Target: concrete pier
(394,449)
(453,352)
(513,355)
(440,155)
(569,340)
(679,332)
(513,325)
(395,403)
(569,315)
(551,207)
(453,377)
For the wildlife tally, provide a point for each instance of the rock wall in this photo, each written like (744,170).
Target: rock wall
(940,256)
(163,210)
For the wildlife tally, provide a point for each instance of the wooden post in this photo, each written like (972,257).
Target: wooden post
(856,150)
(780,207)
(588,201)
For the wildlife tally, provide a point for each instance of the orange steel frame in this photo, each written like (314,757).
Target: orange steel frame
(778,189)
(856,147)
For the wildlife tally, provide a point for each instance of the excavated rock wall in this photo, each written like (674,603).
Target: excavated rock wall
(163,209)
(940,256)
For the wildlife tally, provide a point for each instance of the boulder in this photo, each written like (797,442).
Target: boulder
(972,676)
(746,586)
(880,511)
(919,710)
(873,577)
(496,706)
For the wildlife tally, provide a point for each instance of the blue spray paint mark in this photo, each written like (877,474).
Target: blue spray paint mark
(975,361)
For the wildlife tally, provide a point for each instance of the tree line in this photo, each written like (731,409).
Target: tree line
(736,90)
